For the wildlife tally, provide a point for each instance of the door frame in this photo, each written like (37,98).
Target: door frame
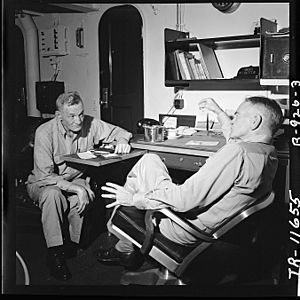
(144,53)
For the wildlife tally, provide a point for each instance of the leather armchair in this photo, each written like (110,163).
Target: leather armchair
(173,258)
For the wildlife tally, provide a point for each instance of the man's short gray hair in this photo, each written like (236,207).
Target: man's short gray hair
(275,116)
(69,98)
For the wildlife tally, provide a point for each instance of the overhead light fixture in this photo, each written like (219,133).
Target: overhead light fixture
(226,7)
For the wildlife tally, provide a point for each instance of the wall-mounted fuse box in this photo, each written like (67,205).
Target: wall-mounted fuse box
(54,41)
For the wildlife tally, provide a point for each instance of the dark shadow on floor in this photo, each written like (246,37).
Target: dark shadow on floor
(30,244)
(87,272)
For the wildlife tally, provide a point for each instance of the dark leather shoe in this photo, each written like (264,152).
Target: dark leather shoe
(110,255)
(73,250)
(130,260)
(57,265)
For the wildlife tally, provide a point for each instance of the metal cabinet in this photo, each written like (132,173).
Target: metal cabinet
(182,161)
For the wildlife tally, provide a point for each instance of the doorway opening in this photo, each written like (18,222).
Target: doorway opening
(121,67)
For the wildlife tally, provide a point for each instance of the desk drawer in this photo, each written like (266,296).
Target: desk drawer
(182,161)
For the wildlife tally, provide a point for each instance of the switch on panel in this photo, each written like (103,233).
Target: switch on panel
(54,41)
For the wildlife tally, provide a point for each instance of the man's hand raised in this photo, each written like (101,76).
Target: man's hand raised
(210,104)
(117,192)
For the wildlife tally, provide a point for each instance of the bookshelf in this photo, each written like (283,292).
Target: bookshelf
(217,84)
(176,41)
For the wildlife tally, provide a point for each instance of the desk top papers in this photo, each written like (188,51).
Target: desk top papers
(94,154)
(202,143)
(86,155)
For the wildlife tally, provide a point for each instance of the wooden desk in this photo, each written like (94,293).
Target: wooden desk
(100,160)
(177,154)
(101,170)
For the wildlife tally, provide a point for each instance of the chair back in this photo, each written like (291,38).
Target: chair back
(224,228)
(243,214)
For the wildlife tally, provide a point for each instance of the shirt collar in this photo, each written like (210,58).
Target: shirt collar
(64,132)
(60,127)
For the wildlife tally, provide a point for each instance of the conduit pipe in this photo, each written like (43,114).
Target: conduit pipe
(179,17)
(29,31)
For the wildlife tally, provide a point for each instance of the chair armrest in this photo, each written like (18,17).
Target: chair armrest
(189,227)
(147,244)
(198,233)
(149,236)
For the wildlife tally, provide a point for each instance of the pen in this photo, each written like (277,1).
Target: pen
(207,124)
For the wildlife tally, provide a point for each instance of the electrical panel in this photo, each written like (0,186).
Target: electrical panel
(54,41)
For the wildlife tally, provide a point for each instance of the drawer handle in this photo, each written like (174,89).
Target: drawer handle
(163,159)
(181,159)
(198,163)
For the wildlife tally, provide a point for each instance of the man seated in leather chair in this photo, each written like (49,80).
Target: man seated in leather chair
(62,192)
(241,172)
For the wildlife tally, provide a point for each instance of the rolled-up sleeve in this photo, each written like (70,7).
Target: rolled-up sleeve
(109,133)
(225,124)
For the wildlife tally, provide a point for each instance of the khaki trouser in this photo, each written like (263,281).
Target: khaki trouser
(150,173)
(56,205)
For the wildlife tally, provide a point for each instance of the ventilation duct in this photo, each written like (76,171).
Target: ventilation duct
(29,31)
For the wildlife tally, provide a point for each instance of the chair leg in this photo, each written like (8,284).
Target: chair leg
(168,278)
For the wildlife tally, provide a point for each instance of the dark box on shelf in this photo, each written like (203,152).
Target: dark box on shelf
(275,57)
(46,95)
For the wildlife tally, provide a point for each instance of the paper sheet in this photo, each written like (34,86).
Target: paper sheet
(89,154)
(110,155)
(169,122)
(202,143)
(86,155)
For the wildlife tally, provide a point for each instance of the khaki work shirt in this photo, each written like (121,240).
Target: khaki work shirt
(52,142)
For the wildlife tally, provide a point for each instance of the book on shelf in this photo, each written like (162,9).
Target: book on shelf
(193,67)
(199,69)
(187,65)
(190,64)
(173,66)
(200,64)
(182,64)
(209,62)
(200,58)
